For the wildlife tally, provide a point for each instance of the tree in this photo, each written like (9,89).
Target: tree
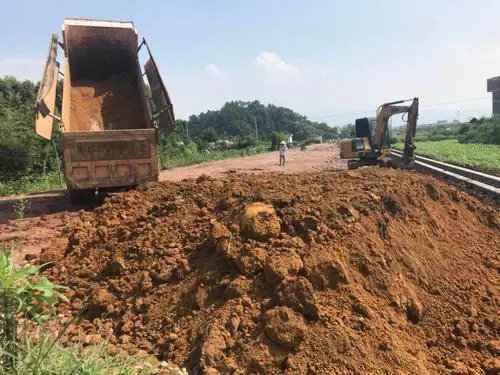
(237,119)
(347,131)
(21,150)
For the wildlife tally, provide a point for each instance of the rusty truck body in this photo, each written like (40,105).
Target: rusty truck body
(108,133)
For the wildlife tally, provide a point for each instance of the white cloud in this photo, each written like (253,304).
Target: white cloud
(21,67)
(275,65)
(214,70)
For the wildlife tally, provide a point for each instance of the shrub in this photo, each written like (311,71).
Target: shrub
(24,295)
(481,131)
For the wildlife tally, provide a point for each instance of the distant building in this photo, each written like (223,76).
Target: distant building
(493,86)
(442,122)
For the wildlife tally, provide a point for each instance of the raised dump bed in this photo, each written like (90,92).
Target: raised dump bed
(108,134)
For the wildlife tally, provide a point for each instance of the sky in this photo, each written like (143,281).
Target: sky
(331,60)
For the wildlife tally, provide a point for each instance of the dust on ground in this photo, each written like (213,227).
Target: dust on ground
(366,271)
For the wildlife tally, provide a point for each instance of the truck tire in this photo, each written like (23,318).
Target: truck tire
(79,197)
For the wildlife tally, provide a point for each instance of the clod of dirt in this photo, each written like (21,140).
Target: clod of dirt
(284,265)
(297,287)
(325,270)
(238,287)
(53,253)
(102,302)
(299,295)
(414,310)
(391,204)
(432,191)
(260,222)
(284,327)
(492,366)
(249,260)
(116,266)
(306,223)
(349,213)
(212,349)
(383,229)
(210,371)
(359,308)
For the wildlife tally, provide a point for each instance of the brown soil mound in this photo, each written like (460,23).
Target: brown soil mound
(373,271)
(106,105)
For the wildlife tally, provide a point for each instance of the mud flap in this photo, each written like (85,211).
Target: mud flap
(46,98)
(161,99)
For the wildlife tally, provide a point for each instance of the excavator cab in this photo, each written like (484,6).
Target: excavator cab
(359,150)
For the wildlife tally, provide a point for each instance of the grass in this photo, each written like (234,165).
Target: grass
(472,155)
(77,360)
(30,184)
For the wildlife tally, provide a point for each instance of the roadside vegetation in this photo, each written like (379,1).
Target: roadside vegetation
(475,144)
(472,155)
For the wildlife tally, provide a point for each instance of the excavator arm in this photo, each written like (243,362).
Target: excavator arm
(411,128)
(387,110)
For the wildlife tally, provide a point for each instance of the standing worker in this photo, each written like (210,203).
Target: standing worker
(283,149)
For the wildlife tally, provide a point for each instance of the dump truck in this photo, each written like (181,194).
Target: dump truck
(108,132)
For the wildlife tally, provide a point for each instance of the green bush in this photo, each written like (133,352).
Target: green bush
(24,295)
(485,131)
(247,142)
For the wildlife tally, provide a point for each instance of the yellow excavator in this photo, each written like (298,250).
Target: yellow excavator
(372,144)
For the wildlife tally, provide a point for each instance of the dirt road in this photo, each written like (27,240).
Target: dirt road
(45,214)
(314,158)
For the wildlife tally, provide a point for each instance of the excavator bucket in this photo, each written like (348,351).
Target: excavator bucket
(46,98)
(161,99)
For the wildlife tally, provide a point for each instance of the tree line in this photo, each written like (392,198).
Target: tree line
(21,150)
(485,130)
(237,120)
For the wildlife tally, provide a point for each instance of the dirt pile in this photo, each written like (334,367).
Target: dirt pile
(369,271)
(111,104)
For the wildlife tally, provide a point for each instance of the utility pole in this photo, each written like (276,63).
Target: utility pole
(256,130)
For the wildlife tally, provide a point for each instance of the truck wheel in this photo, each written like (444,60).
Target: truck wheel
(79,197)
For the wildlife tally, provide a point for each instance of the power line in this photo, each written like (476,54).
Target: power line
(456,101)
(421,105)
